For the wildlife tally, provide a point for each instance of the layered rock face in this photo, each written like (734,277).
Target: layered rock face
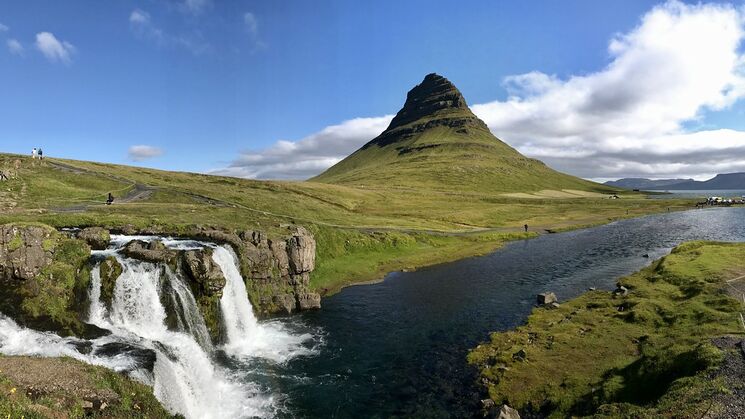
(434,102)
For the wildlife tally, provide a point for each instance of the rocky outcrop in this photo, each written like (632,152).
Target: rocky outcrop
(110,269)
(154,251)
(25,250)
(546,298)
(43,278)
(98,238)
(277,271)
(199,265)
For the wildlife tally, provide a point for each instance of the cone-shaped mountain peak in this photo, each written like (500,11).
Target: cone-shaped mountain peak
(433,95)
(433,102)
(435,142)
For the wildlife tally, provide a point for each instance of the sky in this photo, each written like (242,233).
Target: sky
(284,89)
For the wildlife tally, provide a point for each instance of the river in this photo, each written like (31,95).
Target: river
(394,348)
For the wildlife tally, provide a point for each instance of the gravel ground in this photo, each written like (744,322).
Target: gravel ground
(730,406)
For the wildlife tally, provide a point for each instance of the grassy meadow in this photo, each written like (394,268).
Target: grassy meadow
(646,354)
(363,231)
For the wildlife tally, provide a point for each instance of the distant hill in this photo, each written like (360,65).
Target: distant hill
(435,142)
(644,184)
(721,181)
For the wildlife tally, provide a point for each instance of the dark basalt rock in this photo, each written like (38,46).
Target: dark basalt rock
(435,102)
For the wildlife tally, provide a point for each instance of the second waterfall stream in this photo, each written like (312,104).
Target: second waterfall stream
(187,375)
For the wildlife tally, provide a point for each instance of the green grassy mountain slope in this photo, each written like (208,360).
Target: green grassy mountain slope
(436,142)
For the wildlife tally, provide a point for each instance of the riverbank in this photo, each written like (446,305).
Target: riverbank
(650,352)
(67,388)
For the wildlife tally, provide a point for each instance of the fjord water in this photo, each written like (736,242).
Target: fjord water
(399,347)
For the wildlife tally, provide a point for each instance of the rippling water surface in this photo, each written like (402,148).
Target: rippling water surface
(399,347)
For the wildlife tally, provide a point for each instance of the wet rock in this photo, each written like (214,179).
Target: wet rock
(308,301)
(506,412)
(109,271)
(546,298)
(286,302)
(98,238)
(204,271)
(154,251)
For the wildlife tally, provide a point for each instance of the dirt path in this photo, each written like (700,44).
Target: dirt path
(138,191)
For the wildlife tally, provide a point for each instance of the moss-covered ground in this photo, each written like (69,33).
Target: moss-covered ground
(646,354)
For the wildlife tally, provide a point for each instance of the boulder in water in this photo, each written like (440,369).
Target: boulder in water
(308,301)
(98,238)
(204,271)
(546,298)
(154,251)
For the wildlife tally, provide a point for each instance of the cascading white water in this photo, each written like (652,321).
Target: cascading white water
(246,338)
(186,376)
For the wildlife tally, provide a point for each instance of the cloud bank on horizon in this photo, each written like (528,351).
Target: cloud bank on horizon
(627,119)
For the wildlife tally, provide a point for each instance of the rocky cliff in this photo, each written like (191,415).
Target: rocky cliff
(44,278)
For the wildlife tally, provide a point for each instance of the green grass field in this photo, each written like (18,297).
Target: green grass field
(363,231)
(648,354)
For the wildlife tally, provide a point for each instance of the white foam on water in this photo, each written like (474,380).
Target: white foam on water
(246,337)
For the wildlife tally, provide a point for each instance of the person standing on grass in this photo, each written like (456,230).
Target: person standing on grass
(526,228)
(41,154)
(33,153)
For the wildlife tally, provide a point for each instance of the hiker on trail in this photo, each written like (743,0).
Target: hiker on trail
(110,199)
(41,154)
(526,228)
(33,153)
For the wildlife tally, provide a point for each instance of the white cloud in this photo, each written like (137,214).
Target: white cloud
(14,46)
(195,7)
(143,152)
(252,27)
(308,156)
(627,119)
(54,49)
(139,17)
(140,22)
(4,28)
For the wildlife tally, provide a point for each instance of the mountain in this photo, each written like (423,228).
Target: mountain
(721,181)
(435,142)
(644,184)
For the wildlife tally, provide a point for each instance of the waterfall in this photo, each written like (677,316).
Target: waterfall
(246,338)
(188,376)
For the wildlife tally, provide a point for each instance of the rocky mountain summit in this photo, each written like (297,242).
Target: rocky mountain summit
(432,103)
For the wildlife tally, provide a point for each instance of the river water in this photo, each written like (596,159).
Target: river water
(396,348)
(399,347)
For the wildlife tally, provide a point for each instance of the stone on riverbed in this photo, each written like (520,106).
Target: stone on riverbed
(546,298)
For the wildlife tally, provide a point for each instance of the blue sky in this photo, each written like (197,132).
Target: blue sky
(214,85)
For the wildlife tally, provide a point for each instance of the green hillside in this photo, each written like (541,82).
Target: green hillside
(435,142)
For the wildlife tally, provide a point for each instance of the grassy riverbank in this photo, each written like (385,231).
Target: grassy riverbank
(646,354)
(363,232)
(66,388)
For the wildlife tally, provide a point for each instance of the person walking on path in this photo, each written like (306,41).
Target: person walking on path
(526,228)
(41,154)
(33,153)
